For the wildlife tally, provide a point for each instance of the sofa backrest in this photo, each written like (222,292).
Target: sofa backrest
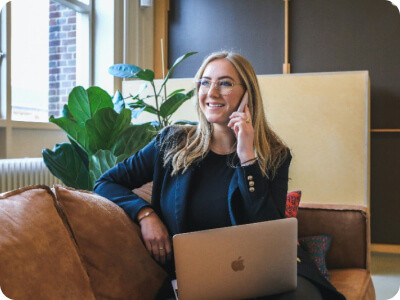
(349,226)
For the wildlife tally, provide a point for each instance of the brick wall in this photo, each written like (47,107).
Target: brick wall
(62,56)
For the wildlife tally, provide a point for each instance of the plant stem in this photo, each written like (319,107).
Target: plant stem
(158,110)
(165,98)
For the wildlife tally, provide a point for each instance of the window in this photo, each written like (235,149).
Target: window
(50,54)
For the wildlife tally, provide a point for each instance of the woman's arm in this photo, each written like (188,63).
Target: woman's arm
(117,183)
(262,199)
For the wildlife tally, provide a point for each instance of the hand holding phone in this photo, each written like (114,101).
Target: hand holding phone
(241,125)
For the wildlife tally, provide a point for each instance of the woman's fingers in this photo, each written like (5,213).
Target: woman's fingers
(238,118)
(156,238)
(162,252)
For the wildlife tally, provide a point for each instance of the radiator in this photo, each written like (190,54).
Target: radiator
(17,173)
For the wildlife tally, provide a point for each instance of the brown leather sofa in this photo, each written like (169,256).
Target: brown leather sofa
(65,244)
(348,259)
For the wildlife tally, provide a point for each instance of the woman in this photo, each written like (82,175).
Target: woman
(229,169)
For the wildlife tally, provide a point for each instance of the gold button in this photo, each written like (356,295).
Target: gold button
(299,260)
(251,183)
(249,177)
(251,189)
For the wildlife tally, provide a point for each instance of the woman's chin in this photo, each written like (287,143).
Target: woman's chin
(219,123)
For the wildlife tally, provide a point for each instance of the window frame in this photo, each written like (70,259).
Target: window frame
(5,62)
(110,21)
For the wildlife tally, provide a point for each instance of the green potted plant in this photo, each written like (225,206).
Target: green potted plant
(100,130)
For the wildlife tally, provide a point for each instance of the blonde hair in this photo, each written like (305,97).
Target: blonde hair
(188,144)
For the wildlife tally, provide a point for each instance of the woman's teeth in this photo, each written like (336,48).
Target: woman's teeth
(215,105)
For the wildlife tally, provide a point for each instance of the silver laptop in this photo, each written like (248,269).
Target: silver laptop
(237,262)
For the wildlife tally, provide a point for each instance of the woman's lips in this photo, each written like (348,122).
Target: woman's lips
(214,105)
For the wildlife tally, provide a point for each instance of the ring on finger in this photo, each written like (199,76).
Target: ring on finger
(161,248)
(248,120)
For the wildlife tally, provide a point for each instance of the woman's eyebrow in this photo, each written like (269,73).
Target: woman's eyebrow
(219,78)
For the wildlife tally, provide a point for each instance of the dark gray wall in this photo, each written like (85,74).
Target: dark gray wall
(325,36)
(242,26)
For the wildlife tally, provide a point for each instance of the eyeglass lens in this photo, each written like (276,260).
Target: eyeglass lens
(224,87)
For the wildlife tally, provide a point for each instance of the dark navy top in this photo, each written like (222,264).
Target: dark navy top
(207,206)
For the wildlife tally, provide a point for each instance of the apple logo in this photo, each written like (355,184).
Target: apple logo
(237,265)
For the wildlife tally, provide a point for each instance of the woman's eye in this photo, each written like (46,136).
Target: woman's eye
(225,83)
(205,83)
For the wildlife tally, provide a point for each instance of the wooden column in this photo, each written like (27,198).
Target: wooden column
(286,65)
(161,8)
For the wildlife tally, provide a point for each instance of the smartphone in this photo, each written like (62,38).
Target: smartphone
(244,102)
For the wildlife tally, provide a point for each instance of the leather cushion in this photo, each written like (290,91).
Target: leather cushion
(353,283)
(348,228)
(38,258)
(119,266)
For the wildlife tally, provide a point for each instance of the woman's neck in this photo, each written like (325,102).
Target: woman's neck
(223,140)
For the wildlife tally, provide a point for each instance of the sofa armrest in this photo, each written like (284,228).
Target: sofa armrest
(349,226)
(145,191)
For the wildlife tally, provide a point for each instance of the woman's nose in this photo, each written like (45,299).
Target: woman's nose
(213,92)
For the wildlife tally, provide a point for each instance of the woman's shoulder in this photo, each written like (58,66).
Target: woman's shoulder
(175,131)
(172,135)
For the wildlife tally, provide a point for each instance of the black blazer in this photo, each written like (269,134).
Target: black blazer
(252,197)
(264,200)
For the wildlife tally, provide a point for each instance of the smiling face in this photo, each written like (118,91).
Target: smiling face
(216,107)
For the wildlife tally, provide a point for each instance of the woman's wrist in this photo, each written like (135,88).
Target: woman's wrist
(144,213)
(249,162)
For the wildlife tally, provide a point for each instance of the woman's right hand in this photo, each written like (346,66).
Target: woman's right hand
(155,236)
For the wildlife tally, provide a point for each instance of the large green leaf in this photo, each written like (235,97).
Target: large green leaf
(100,162)
(146,75)
(66,113)
(64,163)
(81,152)
(133,139)
(140,104)
(176,63)
(171,105)
(74,131)
(84,104)
(124,70)
(105,128)
(98,99)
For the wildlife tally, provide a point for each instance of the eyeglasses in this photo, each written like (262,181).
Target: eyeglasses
(223,86)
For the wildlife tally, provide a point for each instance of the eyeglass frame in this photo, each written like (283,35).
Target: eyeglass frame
(216,86)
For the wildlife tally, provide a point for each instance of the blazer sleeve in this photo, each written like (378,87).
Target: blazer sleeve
(260,199)
(117,183)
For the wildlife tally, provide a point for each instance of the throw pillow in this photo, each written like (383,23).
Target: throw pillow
(317,246)
(292,204)
(38,257)
(118,264)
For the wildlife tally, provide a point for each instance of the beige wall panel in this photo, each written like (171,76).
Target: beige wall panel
(31,142)
(324,119)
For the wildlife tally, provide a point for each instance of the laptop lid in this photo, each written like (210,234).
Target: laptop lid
(237,262)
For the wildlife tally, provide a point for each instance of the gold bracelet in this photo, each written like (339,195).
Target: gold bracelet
(250,160)
(146,215)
